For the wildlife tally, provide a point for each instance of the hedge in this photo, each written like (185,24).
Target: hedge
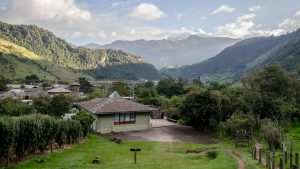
(28,134)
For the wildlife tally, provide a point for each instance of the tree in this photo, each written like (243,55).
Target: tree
(272,93)
(202,110)
(169,87)
(60,105)
(273,80)
(121,87)
(32,79)
(85,86)
(171,107)
(85,119)
(3,83)
(42,106)
(10,107)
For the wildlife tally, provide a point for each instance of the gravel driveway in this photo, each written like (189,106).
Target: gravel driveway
(175,133)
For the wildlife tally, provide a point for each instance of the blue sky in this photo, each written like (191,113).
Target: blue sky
(104,21)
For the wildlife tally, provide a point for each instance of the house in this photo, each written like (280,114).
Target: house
(115,114)
(75,88)
(58,91)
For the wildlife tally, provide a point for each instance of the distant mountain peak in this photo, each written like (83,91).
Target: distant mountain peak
(188,49)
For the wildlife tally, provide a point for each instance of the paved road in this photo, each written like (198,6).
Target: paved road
(174,133)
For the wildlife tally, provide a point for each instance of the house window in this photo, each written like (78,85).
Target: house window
(124,118)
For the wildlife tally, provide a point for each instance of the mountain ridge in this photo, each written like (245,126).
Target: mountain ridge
(58,51)
(246,56)
(166,52)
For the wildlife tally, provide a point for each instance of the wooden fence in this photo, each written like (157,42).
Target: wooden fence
(285,158)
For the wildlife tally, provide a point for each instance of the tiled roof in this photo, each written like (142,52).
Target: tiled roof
(59,90)
(112,105)
(75,84)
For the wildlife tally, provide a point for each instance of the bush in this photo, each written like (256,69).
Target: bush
(24,135)
(212,154)
(85,119)
(272,132)
(236,122)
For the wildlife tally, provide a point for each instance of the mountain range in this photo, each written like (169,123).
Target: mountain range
(165,52)
(28,49)
(245,56)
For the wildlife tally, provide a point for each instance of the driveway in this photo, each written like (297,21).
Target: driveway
(173,133)
(161,123)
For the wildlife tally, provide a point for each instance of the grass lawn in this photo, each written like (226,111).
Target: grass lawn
(153,155)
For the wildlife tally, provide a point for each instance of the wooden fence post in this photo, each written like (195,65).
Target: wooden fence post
(273,156)
(268,160)
(259,156)
(285,157)
(281,164)
(297,160)
(291,156)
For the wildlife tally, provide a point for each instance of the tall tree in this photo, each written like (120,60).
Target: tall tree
(121,87)
(85,86)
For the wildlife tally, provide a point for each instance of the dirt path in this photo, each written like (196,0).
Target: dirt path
(240,162)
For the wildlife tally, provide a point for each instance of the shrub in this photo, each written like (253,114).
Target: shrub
(236,122)
(212,154)
(272,132)
(85,120)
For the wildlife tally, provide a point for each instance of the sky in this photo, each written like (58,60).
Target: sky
(104,21)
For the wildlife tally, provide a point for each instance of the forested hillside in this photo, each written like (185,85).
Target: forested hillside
(245,56)
(57,51)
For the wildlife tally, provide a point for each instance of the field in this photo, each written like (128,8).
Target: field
(153,155)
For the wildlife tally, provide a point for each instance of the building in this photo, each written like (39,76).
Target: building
(115,114)
(75,88)
(58,91)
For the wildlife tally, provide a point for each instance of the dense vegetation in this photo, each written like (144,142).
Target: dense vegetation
(75,59)
(268,100)
(245,56)
(25,135)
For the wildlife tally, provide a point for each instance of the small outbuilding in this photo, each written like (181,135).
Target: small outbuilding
(115,114)
(58,91)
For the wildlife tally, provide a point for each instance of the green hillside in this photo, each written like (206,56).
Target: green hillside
(244,57)
(61,54)
(17,62)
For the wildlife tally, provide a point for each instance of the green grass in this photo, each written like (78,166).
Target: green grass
(153,155)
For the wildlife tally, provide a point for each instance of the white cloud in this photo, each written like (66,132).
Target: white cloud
(289,24)
(241,27)
(147,12)
(20,11)
(223,8)
(254,8)
(297,13)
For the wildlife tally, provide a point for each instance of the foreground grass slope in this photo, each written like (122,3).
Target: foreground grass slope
(153,155)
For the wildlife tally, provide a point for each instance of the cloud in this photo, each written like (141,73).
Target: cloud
(241,27)
(223,8)
(254,8)
(20,11)
(289,24)
(297,13)
(147,12)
